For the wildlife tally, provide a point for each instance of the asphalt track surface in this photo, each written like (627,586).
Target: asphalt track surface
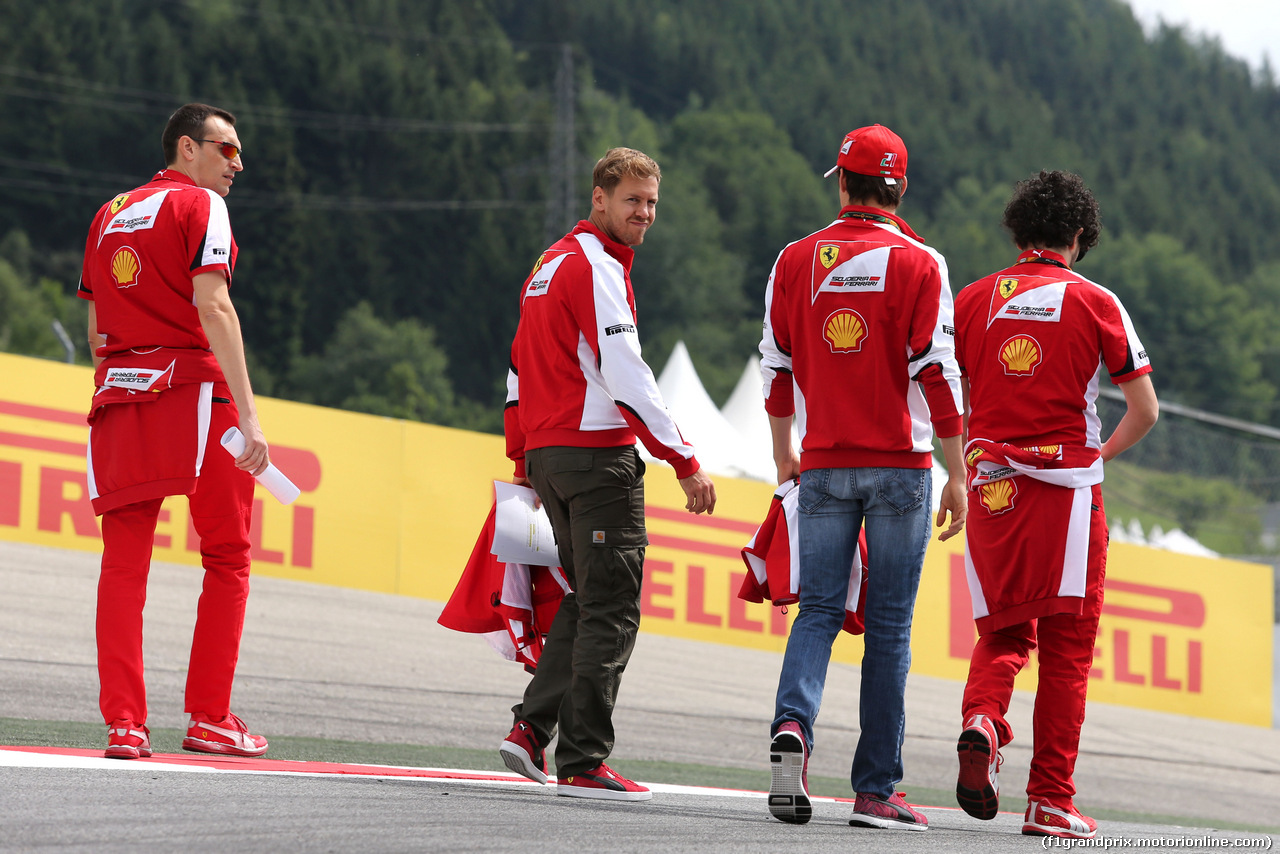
(342,664)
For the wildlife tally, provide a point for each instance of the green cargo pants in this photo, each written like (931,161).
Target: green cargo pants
(594,498)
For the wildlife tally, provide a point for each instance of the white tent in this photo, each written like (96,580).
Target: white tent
(719,447)
(1179,541)
(745,411)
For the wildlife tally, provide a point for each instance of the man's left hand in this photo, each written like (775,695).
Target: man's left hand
(700,492)
(954,500)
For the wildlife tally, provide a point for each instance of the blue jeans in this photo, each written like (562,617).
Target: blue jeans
(894,504)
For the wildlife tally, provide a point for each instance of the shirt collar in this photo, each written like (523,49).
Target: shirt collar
(621,253)
(172,175)
(881,216)
(1043,256)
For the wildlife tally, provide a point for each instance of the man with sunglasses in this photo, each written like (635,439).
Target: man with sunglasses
(171,379)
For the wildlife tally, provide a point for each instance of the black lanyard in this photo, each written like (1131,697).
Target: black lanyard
(870,217)
(1040,259)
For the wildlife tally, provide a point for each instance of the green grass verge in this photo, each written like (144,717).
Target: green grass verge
(20,731)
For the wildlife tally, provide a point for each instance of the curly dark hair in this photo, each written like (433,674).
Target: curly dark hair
(1046,210)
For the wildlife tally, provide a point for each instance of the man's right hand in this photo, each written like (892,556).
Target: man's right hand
(700,492)
(524,481)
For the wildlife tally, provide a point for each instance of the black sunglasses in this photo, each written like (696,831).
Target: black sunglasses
(229,151)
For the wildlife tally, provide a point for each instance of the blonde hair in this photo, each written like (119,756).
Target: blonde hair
(619,163)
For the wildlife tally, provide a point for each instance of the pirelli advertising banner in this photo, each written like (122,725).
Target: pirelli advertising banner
(396,507)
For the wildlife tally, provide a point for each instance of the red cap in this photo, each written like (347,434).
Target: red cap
(875,151)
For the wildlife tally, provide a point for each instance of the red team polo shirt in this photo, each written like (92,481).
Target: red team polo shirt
(1035,341)
(143,250)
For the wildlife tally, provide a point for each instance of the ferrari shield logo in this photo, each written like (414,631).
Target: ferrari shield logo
(118,202)
(828,255)
(1007,287)
(537,265)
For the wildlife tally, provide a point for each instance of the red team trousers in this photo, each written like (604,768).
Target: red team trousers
(1065,644)
(221,509)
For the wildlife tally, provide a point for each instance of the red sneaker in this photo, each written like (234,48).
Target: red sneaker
(601,782)
(127,740)
(1045,819)
(229,737)
(789,775)
(521,753)
(886,813)
(977,789)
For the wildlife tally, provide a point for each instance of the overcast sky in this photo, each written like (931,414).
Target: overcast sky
(1248,29)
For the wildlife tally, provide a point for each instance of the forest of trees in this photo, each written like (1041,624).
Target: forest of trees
(396,182)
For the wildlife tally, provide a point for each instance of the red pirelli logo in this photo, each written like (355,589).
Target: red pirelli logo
(62,505)
(658,596)
(1123,655)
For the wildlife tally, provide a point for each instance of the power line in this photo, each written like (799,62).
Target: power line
(285,116)
(291,201)
(390,33)
(70,172)
(1236,424)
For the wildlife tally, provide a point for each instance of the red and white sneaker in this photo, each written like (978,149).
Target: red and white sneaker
(789,775)
(601,782)
(1045,819)
(229,737)
(977,788)
(521,753)
(127,740)
(886,813)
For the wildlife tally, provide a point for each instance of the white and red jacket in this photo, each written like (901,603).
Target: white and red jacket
(772,557)
(1030,536)
(511,604)
(577,378)
(1034,342)
(858,344)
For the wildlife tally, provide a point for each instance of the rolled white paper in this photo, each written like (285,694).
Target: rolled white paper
(273,479)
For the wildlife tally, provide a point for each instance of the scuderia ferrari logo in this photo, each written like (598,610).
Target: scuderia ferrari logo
(118,202)
(1007,287)
(828,255)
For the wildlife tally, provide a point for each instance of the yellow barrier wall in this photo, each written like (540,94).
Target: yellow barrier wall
(395,506)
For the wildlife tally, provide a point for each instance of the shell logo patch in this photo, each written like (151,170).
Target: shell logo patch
(998,497)
(828,255)
(117,203)
(125,267)
(1020,355)
(845,331)
(1007,287)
